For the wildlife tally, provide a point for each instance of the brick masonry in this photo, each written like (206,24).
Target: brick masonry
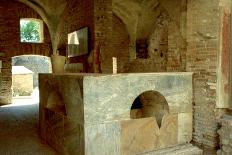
(225,135)
(97,16)
(103,18)
(106,29)
(166,45)
(77,14)
(201,59)
(10,14)
(187,37)
(120,44)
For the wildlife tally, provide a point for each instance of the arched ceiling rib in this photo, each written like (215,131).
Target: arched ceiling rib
(139,16)
(50,11)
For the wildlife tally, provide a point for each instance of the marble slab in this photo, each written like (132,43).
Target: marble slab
(118,91)
(144,135)
(90,113)
(185,127)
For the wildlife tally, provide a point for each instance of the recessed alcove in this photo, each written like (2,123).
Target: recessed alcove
(150,104)
(55,102)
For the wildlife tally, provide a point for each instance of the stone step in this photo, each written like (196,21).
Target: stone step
(185,149)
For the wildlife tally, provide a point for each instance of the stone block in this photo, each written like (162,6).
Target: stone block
(90,113)
(185,127)
(119,91)
(144,135)
(103,138)
(139,135)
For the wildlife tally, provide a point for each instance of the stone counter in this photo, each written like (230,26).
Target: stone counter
(90,113)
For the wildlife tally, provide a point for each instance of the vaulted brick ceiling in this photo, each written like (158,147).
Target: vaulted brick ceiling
(50,11)
(139,16)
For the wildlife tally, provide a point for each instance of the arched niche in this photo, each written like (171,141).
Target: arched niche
(149,104)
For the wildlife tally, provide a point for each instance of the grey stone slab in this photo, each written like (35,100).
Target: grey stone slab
(185,127)
(114,94)
(70,88)
(95,105)
(103,139)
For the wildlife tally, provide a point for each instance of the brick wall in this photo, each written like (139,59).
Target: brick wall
(166,46)
(97,16)
(103,17)
(225,135)
(77,14)
(10,14)
(111,33)
(5,79)
(176,56)
(158,43)
(202,46)
(120,44)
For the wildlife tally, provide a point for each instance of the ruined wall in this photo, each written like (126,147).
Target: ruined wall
(176,55)
(110,35)
(166,44)
(203,40)
(77,14)
(120,44)
(10,14)
(97,16)
(158,43)
(224,132)
(103,16)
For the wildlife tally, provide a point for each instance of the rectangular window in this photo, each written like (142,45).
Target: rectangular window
(31,30)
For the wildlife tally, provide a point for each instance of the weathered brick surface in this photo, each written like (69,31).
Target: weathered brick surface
(176,56)
(225,136)
(168,49)
(10,14)
(158,43)
(77,14)
(201,58)
(97,16)
(120,44)
(111,33)
(103,16)
(166,44)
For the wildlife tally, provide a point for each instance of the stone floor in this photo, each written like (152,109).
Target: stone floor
(18,130)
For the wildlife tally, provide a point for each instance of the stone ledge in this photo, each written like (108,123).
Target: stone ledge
(186,149)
